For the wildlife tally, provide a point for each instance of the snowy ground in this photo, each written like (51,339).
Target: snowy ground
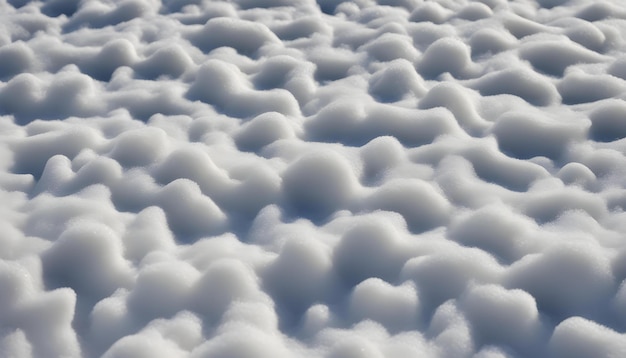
(276,178)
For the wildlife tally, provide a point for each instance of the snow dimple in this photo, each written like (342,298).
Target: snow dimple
(272,178)
(607,122)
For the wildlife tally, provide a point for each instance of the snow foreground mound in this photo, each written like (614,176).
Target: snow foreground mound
(272,178)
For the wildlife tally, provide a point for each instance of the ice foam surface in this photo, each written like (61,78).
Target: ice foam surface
(272,178)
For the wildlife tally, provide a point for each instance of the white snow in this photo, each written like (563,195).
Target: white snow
(273,178)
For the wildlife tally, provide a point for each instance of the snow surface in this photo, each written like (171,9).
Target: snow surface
(342,179)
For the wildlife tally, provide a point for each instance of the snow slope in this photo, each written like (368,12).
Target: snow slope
(274,178)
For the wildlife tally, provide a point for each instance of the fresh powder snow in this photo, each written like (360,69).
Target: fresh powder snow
(312,179)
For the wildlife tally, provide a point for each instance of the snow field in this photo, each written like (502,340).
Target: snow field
(268,178)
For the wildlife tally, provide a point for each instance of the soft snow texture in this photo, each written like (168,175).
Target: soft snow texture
(274,178)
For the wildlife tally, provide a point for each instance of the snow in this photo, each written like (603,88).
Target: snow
(272,178)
